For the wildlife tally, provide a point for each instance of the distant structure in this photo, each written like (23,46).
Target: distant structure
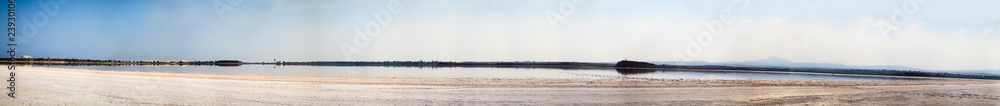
(275,63)
(25,56)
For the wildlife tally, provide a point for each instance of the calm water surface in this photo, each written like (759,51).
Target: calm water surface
(473,72)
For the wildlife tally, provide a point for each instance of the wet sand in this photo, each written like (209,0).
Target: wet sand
(56,86)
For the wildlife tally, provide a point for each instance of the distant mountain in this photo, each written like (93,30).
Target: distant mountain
(973,72)
(776,61)
(685,63)
(781,62)
(770,60)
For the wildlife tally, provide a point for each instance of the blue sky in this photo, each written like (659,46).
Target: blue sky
(931,34)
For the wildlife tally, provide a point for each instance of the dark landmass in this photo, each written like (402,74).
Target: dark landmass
(634,64)
(630,65)
(626,67)
(228,63)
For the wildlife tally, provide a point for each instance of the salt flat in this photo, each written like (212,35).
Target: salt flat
(57,86)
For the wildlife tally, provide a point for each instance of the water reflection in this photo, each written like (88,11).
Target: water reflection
(634,71)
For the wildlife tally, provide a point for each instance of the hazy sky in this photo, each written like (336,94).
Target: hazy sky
(932,34)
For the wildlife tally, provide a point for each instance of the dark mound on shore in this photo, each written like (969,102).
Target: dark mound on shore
(634,64)
(228,63)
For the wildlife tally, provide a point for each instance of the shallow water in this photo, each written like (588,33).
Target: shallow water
(474,72)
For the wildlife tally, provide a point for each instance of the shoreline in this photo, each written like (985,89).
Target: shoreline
(54,86)
(592,82)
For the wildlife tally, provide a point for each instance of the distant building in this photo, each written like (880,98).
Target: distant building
(25,56)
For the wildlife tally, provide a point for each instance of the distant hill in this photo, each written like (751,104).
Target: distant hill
(781,62)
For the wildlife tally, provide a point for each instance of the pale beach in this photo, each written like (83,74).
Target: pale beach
(58,86)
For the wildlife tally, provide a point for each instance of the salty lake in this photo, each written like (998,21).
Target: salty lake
(351,71)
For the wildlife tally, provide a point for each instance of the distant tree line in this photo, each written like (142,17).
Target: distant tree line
(434,64)
(70,61)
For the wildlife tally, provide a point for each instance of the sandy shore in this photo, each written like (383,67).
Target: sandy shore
(55,86)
